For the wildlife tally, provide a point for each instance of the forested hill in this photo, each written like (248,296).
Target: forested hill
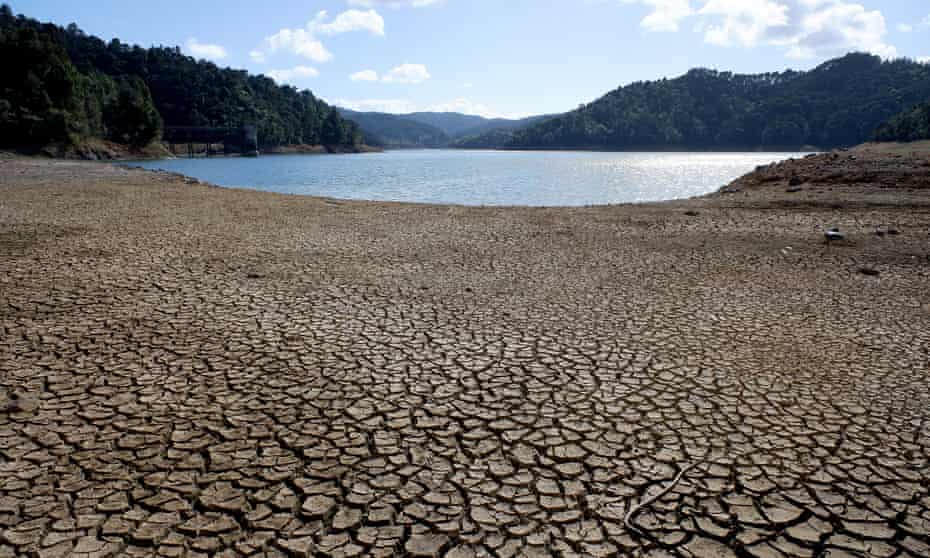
(60,86)
(839,103)
(912,125)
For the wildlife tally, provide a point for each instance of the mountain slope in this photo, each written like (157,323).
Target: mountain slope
(459,126)
(451,123)
(839,103)
(496,133)
(431,129)
(392,130)
(502,125)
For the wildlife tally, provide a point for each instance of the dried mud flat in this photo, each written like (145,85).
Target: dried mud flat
(194,371)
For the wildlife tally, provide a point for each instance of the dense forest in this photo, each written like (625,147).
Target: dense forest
(839,103)
(912,125)
(60,85)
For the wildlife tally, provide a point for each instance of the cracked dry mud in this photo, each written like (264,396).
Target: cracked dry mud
(194,371)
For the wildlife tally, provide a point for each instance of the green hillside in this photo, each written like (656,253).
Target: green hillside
(839,103)
(60,85)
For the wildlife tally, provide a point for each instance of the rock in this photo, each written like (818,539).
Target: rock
(833,235)
(869,271)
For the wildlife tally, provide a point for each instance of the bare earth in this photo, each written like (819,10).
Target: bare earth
(189,371)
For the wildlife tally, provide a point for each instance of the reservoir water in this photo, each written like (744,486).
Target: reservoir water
(538,178)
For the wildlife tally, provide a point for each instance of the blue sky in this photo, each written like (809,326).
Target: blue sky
(498,57)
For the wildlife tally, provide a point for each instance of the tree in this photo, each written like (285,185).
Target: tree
(334,132)
(131,115)
(912,125)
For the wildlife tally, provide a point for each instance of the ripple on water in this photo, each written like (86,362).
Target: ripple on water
(482,177)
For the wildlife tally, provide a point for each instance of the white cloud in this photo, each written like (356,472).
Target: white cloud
(666,15)
(205,50)
(801,28)
(836,27)
(304,41)
(394,3)
(407,73)
(905,27)
(300,42)
(292,75)
(348,21)
(742,22)
(364,75)
(924,59)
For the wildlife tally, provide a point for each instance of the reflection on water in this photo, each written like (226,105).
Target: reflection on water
(482,177)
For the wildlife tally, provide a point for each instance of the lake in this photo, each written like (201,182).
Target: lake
(535,178)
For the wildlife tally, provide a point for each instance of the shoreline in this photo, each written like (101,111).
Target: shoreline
(187,368)
(106,151)
(804,178)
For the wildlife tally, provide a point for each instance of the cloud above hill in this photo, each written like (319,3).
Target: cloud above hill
(205,50)
(293,76)
(407,73)
(305,41)
(801,28)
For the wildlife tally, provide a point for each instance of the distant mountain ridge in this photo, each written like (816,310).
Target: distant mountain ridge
(429,129)
(839,103)
(392,130)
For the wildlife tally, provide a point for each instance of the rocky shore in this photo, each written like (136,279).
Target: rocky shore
(188,370)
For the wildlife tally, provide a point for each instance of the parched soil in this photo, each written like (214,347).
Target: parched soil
(188,370)
(871,174)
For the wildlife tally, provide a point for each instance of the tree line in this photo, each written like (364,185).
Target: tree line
(61,85)
(839,103)
(911,125)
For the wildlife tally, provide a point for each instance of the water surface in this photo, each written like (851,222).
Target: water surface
(482,177)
